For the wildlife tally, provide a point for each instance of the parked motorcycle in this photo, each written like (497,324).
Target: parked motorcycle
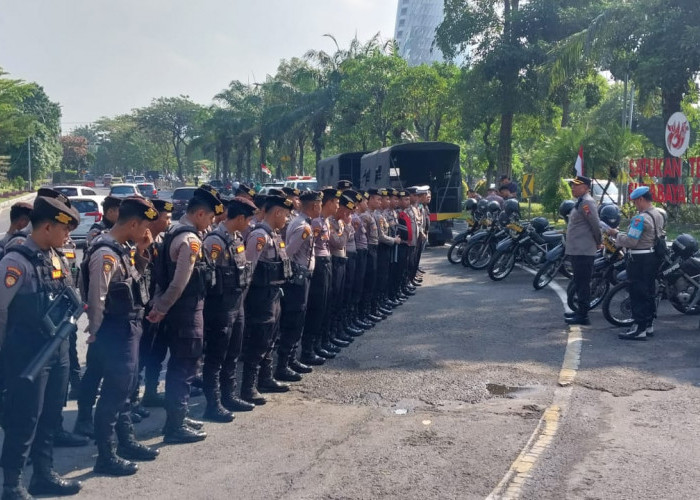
(555,262)
(459,243)
(481,246)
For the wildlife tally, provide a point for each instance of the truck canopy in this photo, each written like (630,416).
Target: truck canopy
(345,166)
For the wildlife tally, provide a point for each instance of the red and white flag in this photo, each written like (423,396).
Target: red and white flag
(579,162)
(264,168)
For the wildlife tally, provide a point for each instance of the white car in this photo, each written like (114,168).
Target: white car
(139,179)
(301,182)
(124,190)
(75,191)
(90,208)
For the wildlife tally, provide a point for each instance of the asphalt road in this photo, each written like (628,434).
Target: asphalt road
(439,400)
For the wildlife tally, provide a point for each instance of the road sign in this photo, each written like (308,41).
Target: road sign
(528,186)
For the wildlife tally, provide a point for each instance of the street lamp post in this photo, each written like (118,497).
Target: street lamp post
(29,160)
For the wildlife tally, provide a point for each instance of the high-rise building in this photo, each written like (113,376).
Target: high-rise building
(416,22)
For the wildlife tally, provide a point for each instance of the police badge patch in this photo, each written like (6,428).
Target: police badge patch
(260,243)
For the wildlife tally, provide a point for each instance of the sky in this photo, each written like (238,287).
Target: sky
(106,57)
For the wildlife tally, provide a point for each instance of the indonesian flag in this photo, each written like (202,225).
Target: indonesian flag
(264,168)
(579,162)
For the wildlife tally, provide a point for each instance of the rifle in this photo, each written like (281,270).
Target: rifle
(60,321)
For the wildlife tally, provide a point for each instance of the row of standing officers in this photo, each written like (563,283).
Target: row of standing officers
(299,274)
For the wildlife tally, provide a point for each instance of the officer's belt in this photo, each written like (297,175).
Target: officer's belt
(323,258)
(337,259)
(641,251)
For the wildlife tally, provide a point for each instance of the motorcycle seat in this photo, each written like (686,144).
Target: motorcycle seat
(552,237)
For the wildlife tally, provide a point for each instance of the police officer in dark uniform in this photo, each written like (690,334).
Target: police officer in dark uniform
(583,238)
(153,347)
(110,207)
(116,293)
(182,276)
(224,312)
(300,250)
(645,229)
(271,269)
(33,274)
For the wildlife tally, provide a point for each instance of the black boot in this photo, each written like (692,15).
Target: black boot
(309,357)
(297,365)
(47,482)
(283,372)
(64,439)
(84,425)
(248,391)
(321,351)
(229,400)
(266,382)
(110,464)
(129,448)
(215,412)
(176,431)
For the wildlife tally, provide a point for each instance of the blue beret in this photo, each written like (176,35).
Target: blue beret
(639,192)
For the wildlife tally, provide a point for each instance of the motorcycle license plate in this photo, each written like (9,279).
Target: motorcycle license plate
(515,227)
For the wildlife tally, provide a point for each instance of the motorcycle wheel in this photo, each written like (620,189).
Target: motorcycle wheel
(617,306)
(546,274)
(478,255)
(599,288)
(501,265)
(454,254)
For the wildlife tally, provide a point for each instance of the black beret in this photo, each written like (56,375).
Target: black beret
(245,189)
(354,195)
(365,195)
(111,202)
(291,191)
(276,192)
(373,191)
(259,200)
(209,195)
(347,202)
(52,193)
(330,193)
(403,193)
(139,206)
(163,205)
(384,192)
(311,196)
(393,192)
(53,209)
(242,205)
(412,190)
(279,201)
(344,184)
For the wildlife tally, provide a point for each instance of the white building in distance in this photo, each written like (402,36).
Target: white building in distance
(416,22)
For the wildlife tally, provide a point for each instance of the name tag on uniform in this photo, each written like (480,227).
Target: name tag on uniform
(636,227)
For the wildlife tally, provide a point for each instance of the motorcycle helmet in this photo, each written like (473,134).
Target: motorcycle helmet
(493,207)
(565,208)
(503,218)
(610,214)
(684,245)
(540,224)
(511,206)
(481,205)
(470,204)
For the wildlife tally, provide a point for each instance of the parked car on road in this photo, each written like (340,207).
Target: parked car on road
(301,182)
(139,179)
(75,191)
(270,185)
(90,208)
(106,180)
(124,190)
(147,190)
(129,179)
(181,196)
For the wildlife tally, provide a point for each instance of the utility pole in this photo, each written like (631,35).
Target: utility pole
(29,161)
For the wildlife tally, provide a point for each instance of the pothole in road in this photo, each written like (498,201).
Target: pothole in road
(504,391)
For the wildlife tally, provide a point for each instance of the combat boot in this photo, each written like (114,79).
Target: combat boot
(298,366)
(283,371)
(248,391)
(129,448)
(110,464)
(266,382)
(177,432)
(152,399)
(229,400)
(45,481)
(84,425)
(64,439)
(320,351)
(309,357)
(215,412)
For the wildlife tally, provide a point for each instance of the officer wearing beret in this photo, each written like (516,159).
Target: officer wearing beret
(110,207)
(33,274)
(344,185)
(224,313)
(339,235)
(300,250)
(384,247)
(182,276)
(583,238)
(246,191)
(645,228)
(370,280)
(347,330)
(117,293)
(271,269)
(358,285)
(153,348)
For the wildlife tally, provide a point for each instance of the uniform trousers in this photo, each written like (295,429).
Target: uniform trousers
(294,304)
(641,273)
(33,410)
(118,342)
(582,266)
(224,323)
(153,350)
(317,307)
(370,279)
(262,310)
(350,269)
(383,262)
(335,305)
(358,284)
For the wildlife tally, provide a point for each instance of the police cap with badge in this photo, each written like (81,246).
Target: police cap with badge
(344,184)
(139,207)
(209,196)
(61,198)
(278,201)
(331,193)
(311,196)
(354,195)
(580,179)
(241,206)
(347,202)
(163,205)
(54,210)
(290,191)
(245,190)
